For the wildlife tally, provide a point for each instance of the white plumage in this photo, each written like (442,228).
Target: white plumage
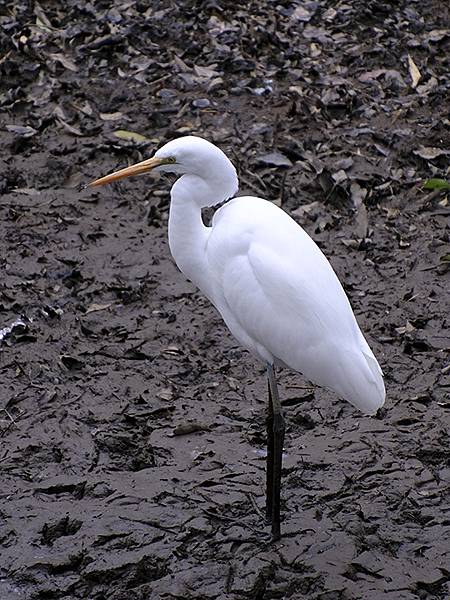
(275,290)
(281,299)
(273,286)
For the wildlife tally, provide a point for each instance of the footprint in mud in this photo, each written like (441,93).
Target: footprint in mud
(61,528)
(127,451)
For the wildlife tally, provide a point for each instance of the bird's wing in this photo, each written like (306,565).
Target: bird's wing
(280,297)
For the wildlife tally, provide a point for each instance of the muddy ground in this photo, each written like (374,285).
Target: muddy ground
(131,423)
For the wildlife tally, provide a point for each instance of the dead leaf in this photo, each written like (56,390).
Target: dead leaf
(70,128)
(301,14)
(305,209)
(58,111)
(329,14)
(96,307)
(66,62)
(23,130)
(388,74)
(114,116)
(427,87)
(392,213)
(5,57)
(274,159)
(131,136)
(436,35)
(357,193)
(414,72)
(339,176)
(182,66)
(206,72)
(85,108)
(408,328)
(351,243)
(214,84)
(430,153)
(362,222)
(41,18)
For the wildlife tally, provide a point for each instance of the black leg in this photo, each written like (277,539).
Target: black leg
(269,463)
(276,460)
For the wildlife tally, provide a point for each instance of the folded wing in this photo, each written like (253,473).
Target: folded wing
(281,298)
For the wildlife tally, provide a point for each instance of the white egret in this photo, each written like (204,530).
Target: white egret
(275,290)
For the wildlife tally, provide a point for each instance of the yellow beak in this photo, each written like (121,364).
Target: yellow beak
(137,169)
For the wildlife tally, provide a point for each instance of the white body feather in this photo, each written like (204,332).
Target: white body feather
(281,299)
(274,288)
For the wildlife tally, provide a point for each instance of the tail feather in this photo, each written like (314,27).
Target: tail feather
(361,381)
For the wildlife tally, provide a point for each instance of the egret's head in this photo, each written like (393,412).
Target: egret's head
(188,155)
(191,155)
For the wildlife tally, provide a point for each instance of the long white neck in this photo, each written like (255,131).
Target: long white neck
(187,233)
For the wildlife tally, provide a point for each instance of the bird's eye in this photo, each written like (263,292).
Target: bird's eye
(171,159)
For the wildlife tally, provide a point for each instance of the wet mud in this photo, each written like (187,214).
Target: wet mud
(131,423)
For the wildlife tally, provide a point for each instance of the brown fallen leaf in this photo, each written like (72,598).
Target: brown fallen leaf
(96,307)
(429,153)
(339,176)
(205,72)
(414,72)
(70,128)
(408,328)
(182,66)
(84,108)
(436,35)
(41,18)
(305,209)
(114,116)
(66,62)
(5,57)
(392,213)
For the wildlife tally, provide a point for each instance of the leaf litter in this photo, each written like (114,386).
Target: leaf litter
(123,436)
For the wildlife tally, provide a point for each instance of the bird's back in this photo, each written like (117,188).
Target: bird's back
(281,299)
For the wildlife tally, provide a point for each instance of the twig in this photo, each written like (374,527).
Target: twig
(255,506)
(9,415)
